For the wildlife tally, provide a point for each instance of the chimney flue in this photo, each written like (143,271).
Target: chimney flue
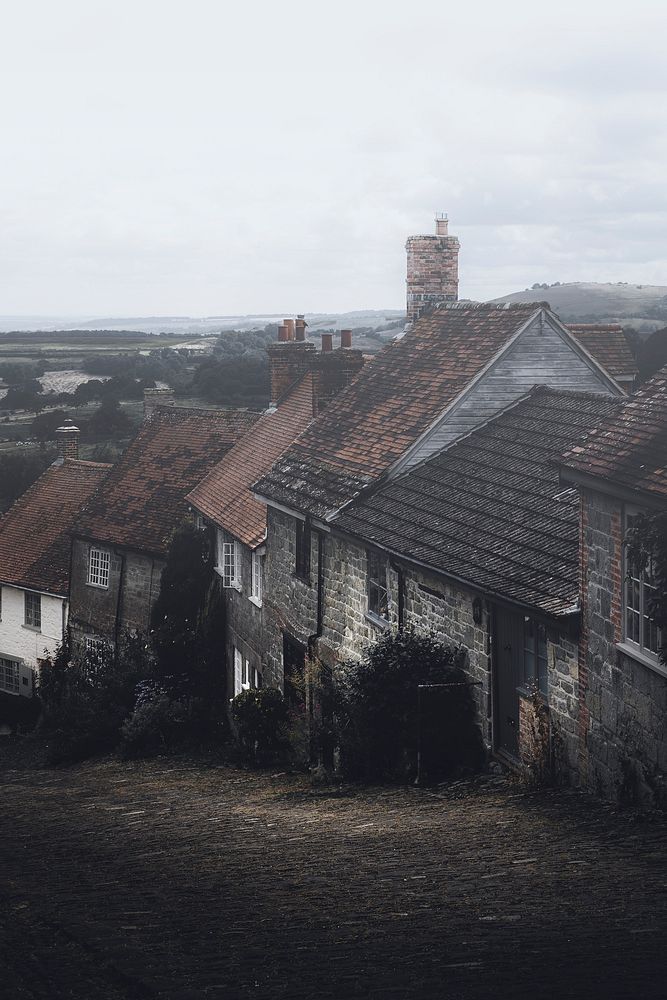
(289,323)
(300,329)
(327,342)
(283,335)
(67,437)
(346,338)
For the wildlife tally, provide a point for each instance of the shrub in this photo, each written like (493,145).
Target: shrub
(154,723)
(261,718)
(376,705)
(86,701)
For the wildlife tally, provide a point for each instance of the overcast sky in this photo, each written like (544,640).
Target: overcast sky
(204,157)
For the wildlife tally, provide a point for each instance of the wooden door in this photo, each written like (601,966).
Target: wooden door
(508,675)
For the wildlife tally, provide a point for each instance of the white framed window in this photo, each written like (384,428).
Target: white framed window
(639,587)
(95,647)
(99,563)
(228,554)
(245,675)
(256,579)
(9,675)
(33,610)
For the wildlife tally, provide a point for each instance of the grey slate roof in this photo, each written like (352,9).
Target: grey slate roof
(489,510)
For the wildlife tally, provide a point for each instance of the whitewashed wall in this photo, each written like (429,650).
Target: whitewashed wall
(19,642)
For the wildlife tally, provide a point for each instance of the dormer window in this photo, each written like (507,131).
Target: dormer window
(99,563)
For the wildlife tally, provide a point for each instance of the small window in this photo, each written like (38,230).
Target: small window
(9,675)
(535,662)
(378,594)
(640,589)
(302,567)
(245,675)
(33,610)
(99,561)
(95,647)
(229,561)
(256,578)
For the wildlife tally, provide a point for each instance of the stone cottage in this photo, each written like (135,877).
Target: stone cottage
(620,471)
(121,537)
(35,561)
(303,382)
(457,367)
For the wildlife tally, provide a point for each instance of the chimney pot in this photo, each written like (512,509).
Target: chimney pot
(300,331)
(289,323)
(327,342)
(441,224)
(67,437)
(283,335)
(346,338)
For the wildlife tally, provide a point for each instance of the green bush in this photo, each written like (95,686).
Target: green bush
(377,708)
(154,723)
(261,718)
(86,701)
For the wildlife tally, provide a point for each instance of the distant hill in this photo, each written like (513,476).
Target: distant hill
(643,307)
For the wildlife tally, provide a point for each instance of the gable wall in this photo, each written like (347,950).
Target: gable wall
(538,357)
(27,644)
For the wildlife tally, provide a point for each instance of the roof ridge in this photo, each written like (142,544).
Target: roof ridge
(493,306)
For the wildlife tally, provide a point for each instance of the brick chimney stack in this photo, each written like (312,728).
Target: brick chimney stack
(433,270)
(289,358)
(67,437)
(346,338)
(157,397)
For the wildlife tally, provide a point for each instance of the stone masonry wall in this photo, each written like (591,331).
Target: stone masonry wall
(623,731)
(134,583)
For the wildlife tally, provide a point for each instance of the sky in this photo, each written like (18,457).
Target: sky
(208,158)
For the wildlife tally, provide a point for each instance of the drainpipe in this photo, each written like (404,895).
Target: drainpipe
(119,608)
(327,752)
(401,594)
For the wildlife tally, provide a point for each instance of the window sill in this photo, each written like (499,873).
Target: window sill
(97,586)
(256,601)
(32,628)
(377,622)
(644,658)
(302,578)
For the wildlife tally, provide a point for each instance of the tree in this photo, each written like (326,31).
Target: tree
(44,426)
(646,543)
(108,421)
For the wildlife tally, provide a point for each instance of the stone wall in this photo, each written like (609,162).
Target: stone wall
(125,605)
(624,700)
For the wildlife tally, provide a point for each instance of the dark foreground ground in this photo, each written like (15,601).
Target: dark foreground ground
(181,879)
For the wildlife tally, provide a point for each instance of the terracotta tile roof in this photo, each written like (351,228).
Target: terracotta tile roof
(490,510)
(608,345)
(225,495)
(34,533)
(143,499)
(395,397)
(629,449)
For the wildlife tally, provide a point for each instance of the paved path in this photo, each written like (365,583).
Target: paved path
(182,880)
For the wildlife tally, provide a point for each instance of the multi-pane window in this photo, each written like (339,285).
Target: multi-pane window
(535,663)
(9,675)
(95,647)
(256,578)
(640,589)
(302,567)
(33,610)
(99,562)
(378,594)
(228,561)
(245,675)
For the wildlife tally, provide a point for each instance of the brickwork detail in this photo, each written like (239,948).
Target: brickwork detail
(432,273)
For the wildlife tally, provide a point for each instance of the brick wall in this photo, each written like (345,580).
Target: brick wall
(624,701)
(432,272)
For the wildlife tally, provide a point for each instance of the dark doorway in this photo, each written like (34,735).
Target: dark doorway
(294,665)
(508,671)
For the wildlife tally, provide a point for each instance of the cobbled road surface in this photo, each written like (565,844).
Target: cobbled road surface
(185,879)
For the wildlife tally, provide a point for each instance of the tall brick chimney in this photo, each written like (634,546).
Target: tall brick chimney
(67,437)
(156,397)
(433,270)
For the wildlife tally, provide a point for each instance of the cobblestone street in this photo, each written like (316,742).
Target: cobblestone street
(181,879)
